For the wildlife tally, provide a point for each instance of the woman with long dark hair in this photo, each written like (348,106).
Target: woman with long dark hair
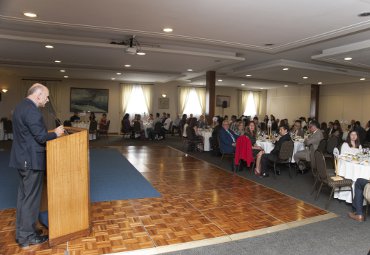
(352,144)
(251,132)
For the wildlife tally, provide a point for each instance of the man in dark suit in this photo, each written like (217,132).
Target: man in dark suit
(268,158)
(28,156)
(227,138)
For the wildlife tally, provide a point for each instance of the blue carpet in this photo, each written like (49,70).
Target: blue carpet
(112,177)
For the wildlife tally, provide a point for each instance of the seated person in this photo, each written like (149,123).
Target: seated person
(103,123)
(227,138)
(74,117)
(125,124)
(358,200)
(368,132)
(167,123)
(240,128)
(313,140)
(201,122)
(192,134)
(175,125)
(352,144)
(257,150)
(269,158)
(297,129)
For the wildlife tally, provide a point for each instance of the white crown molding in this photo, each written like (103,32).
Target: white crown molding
(273,49)
(299,65)
(335,54)
(195,52)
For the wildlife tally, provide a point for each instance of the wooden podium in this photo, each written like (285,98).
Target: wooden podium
(68,186)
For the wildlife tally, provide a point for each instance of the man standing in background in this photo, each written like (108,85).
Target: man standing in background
(28,156)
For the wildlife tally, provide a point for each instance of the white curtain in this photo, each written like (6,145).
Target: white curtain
(183,97)
(147,91)
(125,96)
(243,97)
(192,100)
(249,103)
(136,99)
(257,102)
(201,92)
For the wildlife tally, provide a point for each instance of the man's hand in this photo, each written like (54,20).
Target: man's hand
(59,131)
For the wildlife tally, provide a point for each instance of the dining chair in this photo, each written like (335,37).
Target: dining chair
(285,156)
(331,182)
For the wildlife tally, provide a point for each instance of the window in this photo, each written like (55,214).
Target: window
(250,107)
(192,104)
(137,103)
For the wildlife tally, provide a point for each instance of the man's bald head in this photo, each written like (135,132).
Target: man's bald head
(39,94)
(36,88)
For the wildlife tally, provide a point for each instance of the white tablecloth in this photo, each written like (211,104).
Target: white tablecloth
(353,171)
(268,146)
(206,134)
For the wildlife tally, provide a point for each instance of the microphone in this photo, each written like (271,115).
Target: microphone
(51,110)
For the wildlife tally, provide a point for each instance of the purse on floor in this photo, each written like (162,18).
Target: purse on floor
(367,192)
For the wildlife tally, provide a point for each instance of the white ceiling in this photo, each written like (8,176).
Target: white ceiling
(310,37)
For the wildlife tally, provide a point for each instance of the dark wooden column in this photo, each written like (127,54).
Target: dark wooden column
(210,95)
(315,96)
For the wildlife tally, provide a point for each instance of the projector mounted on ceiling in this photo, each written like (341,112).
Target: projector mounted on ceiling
(132,46)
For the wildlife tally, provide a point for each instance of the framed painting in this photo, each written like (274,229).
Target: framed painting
(163,103)
(223,101)
(89,100)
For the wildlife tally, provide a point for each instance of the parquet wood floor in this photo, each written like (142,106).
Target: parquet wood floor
(199,201)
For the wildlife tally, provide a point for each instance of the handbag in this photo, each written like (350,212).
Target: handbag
(367,192)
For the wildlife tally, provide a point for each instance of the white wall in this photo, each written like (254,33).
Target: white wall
(291,103)
(345,102)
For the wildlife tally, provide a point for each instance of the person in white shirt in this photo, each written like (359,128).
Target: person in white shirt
(352,144)
(167,122)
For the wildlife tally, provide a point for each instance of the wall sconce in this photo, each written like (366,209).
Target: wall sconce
(4,90)
(164,95)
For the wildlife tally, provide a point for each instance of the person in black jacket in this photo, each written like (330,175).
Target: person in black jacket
(269,158)
(28,156)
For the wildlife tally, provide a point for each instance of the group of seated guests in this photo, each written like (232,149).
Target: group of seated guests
(154,128)
(102,126)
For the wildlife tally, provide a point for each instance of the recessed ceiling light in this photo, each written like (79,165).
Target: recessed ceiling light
(113,79)
(127,65)
(167,30)
(119,73)
(285,86)
(65,76)
(362,79)
(347,58)
(49,46)
(219,80)
(57,61)
(140,53)
(190,70)
(319,83)
(62,71)
(248,75)
(261,88)
(243,84)
(305,77)
(30,14)
(285,68)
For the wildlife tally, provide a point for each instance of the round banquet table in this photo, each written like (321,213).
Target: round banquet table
(353,171)
(206,135)
(268,146)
